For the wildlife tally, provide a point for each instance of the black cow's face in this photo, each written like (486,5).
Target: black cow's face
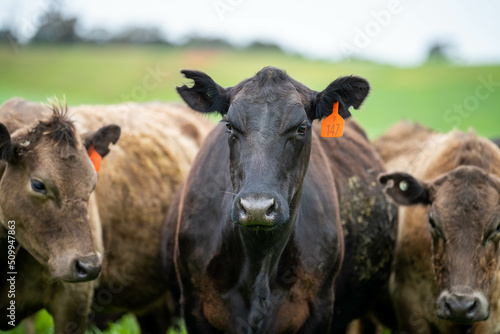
(464,223)
(269,138)
(268,119)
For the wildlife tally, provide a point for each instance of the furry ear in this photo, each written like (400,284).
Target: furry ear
(404,189)
(205,96)
(102,138)
(349,91)
(6,148)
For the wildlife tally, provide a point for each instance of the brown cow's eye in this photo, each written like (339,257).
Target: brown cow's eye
(38,186)
(302,129)
(432,223)
(497,231)
(229,127)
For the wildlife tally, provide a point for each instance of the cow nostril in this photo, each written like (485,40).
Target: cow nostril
(243,211)
(80,270)
(447,309)
(271,208)
(86,270)
(472,309)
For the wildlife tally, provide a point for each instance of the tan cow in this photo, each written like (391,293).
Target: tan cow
(117,227)
(446,275)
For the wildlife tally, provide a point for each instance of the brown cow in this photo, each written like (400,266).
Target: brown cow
(46,203)
(446,276)
(128,207)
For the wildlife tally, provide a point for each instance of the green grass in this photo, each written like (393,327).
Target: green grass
(111,74)
(45,325)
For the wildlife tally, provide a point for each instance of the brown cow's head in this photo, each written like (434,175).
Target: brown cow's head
(268,119)
(46,182)
(464,222)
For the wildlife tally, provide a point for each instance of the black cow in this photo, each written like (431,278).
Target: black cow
(255,234)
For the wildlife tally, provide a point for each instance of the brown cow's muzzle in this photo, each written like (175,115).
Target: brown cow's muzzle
(463,308)
(87,268)
(76,268)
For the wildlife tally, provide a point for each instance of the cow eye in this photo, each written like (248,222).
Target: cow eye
(229,127)
(497,231)
(38,186)
(302,129)
(492,234)
(432,223)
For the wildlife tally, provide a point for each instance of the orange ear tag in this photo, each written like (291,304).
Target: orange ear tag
(333,125)
(95,157)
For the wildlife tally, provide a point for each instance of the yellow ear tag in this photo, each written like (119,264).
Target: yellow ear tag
(333,125)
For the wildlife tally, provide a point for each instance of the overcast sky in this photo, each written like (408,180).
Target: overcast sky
(394,31)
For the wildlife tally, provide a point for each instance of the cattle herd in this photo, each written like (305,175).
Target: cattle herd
(256,224)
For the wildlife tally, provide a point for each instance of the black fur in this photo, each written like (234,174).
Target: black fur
(6,147)
(205,96)
(102,138)
(349,91)
(417,192)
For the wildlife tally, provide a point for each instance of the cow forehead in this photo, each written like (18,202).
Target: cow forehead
(468,197)
(275,90)
(72,167)
(278,110)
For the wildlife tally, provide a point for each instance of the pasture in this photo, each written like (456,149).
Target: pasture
(441,96)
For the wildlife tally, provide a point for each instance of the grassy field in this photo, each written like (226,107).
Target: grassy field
(441,96)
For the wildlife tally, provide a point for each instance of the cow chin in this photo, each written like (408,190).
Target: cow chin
(75,268)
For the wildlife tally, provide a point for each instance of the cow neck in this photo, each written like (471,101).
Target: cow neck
(264,251)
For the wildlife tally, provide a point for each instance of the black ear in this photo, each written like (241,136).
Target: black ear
(102,138)
(6,147)
(348,91)
(205,95)
(404,189)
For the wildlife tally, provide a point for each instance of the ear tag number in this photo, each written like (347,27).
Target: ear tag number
(95,157)
(333,125)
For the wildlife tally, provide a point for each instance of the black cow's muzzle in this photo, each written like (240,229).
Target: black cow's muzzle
(259,210)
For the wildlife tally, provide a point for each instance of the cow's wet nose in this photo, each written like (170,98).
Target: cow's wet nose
(258,210)
(87,268)
(463,308)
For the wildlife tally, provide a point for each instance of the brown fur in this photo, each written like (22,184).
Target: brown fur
(134,189)
(462,174)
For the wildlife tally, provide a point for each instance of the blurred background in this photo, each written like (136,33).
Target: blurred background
(436,62)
